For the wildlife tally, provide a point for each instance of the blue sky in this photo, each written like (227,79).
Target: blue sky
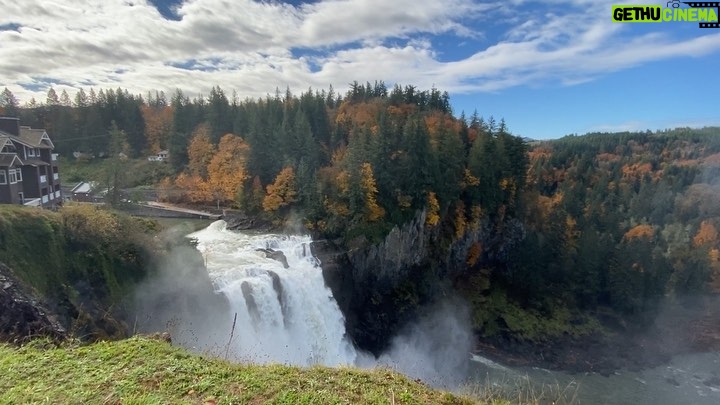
(550,68)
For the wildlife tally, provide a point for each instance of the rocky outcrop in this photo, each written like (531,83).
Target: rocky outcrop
(275,255)
(381,287)
(23,315)
(239,221)
(388,262)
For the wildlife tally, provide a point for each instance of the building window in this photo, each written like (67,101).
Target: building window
(13,177)
(31,152)
(3,177)
(18,173)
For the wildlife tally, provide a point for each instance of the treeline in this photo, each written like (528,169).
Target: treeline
(354,165)
(620,221)
(360,162)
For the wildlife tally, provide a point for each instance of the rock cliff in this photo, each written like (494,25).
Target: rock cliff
(23,314)
(380,287)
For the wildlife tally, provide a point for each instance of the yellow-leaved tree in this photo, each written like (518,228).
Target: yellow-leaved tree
(282,192)
(193,188)
(374,210)
(226,169)
(433,215)
(200,151)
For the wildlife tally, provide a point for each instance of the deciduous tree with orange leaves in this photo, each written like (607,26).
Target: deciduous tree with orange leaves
(282,192)
(158,126)
(200,151)
(706,235)
(226,170)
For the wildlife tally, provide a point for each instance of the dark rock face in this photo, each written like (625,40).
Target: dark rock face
(247,292)
(275,255)
(381,287)
(239,221)
(277,286)
(387,263)
(23,315)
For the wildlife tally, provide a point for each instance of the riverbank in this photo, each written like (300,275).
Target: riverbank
(677,330)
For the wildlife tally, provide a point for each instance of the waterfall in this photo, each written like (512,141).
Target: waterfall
(285,313)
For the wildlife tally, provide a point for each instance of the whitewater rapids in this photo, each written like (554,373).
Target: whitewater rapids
(284,315)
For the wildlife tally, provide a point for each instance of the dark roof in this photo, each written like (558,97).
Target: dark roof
(8,159)
(36,162)
(3,139)
(36,137)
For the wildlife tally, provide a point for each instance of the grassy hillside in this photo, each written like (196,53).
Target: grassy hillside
(82,262)
(146,371)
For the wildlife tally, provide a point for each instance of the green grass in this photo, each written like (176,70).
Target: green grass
(146,371)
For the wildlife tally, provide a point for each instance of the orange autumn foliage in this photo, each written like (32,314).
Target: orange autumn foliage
(194,187)
(474,253)
(282,192)
(358,114)
(707,234)
(636,170)
(200,151)
(226,169)
(639,232)
(539,153)
(158,126)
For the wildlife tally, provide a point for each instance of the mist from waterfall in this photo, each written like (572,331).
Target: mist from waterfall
(271,305)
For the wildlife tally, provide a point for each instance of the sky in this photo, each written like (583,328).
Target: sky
(550,68)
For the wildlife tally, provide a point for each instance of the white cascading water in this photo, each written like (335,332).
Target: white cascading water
(284,315)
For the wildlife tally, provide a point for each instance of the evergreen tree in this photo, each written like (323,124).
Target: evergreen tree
(9,104)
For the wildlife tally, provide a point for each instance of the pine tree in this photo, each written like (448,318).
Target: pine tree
(116,169)
(9,104)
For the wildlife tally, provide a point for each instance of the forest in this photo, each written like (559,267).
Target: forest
(604,223)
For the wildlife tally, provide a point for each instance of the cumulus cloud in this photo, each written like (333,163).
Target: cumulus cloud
(253,47)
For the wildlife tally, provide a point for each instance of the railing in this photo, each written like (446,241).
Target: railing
(56,176)
(35,202)
(43,179)
(54,156)
(45,199)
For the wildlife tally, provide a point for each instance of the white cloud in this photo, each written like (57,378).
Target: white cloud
(252,46)
(656,125)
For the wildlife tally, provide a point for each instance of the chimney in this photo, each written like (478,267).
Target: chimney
(11,125)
